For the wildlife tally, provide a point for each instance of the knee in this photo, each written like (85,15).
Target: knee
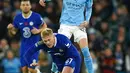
(25,69)
(83,43)
(32,70)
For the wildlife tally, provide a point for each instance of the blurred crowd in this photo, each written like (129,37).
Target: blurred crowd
(108,34)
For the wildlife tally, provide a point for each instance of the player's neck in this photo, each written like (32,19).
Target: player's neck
(26,15)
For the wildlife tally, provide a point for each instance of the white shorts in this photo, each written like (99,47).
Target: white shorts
(72,30)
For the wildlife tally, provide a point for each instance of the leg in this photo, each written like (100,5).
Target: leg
(81,38)
(33,70)
(65,30)
(25,69)
(23,64)
(67,69)
(72,65)
(83,68)
(33,59)
(86,54)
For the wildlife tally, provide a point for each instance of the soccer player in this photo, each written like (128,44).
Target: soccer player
(73,22)
(29,24)
(63,52)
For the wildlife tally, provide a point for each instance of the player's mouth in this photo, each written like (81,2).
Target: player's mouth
(49,45)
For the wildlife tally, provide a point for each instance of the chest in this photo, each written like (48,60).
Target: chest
(27,23)
(11,64)
(74,2)
(57,52)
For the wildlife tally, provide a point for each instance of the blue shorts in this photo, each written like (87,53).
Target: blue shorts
(24,63)
(73,63)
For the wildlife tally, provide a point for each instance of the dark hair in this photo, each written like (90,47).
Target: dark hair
(26,0)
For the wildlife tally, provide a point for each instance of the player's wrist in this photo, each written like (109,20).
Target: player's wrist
(39,31)
(86,23)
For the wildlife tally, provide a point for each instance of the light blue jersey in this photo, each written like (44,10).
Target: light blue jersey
(73,12)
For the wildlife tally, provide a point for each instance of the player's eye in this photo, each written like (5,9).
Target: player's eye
(45,41)
(23,4)
(27,4)
(48,39)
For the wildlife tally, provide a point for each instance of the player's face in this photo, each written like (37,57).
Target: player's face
(49,41)
(25,6)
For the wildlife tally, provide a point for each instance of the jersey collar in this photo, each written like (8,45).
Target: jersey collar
(55,41)
(28,16)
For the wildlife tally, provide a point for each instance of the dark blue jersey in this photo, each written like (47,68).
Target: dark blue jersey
(60,52)
(25,25)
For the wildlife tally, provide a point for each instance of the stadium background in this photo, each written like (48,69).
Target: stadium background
(108,33)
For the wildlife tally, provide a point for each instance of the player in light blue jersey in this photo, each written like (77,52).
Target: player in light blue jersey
(73,22)
(63,52)
(29,24)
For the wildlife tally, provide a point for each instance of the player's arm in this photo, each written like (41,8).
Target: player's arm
(32,50)
(11,30)
(37,31)
(88,13)
(41,25)
(42,3)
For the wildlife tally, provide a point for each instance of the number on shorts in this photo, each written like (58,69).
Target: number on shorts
(68,61)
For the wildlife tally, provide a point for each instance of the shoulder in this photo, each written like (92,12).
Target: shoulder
(39,43)
(60,35)
(18,16)
(16,59)
(36,14)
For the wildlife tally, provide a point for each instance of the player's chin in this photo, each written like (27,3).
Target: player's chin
(25,11)
(49,46)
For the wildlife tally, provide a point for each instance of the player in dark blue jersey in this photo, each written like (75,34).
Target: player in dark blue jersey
(63,52)
(29,24)
(74,19)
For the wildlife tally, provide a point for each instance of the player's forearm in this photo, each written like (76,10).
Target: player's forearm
(43,27)
(88,13)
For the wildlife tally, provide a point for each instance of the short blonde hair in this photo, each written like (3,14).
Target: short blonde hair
(46,32)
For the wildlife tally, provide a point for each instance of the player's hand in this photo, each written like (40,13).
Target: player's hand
(10,26)
(34,64)
(84,24)
(42,3)
(35,31)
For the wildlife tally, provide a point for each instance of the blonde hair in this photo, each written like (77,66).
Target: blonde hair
(46,32)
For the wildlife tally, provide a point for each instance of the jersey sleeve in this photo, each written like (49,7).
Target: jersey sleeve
(32,50)
(40,20)
(15,22)
(88,13)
